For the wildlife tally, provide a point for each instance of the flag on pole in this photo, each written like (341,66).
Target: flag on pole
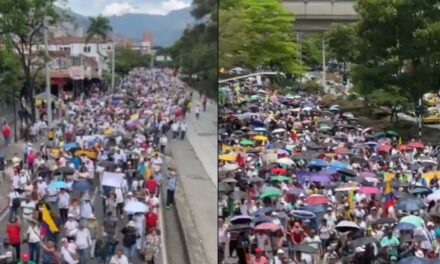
(350,199)
(389,196)
(47,218)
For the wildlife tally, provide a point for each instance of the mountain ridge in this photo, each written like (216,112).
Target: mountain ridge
(166,29)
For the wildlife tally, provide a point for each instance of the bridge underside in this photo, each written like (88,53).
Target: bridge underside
(316,25)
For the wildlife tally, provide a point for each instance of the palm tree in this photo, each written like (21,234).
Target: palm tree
(99,27)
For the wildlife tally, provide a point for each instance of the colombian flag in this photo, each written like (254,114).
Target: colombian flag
(47,218)
(389,196)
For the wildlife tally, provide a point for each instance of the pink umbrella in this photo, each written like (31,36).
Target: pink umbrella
(342,150)
(416,144)
(369,190)
(367,174)
(267,227)
(384,148)
(316,199)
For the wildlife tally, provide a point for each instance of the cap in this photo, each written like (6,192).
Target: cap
(25,256)
(430,224)
(257,251)
(131,223)
(280,251)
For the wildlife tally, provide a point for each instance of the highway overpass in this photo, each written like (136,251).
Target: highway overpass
(318,15)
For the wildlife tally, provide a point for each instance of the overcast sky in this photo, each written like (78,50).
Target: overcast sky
(114,7)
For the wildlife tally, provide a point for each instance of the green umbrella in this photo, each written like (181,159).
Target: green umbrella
(412,219)
(324,127)
(289,96)
(254,98)
(279,178)
(270,192)
(392,133)
(380,134)
(246,142)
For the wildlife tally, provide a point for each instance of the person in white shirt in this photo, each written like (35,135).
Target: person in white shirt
(33,240)
(183,128)
(163,141)
(71,227)
(63,204)
(28,207)
(83,240)
(13,208)
(175,129)
(119,258)
(157,166)
(42,187)
(67,250)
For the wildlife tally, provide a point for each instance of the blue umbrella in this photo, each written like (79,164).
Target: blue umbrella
(315,208)
(71,145)
(415,260)
(318,163)
(405,226)
(420,190)
(82,186)
(302,214)
(262,219)
(372,144)
(57,184)
(296,191)
(337,165)
(263,211)
(241,219)
(410,205)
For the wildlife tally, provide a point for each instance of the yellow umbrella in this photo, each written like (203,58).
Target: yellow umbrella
(260,137)
(226,157)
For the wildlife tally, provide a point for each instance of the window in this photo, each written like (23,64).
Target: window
(87,49)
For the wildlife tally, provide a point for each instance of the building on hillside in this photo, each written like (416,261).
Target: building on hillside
(146,44)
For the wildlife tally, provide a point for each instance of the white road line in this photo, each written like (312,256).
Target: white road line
(163,248)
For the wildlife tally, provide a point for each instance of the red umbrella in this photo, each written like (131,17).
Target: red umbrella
(316,199)
(278,171)
(342,150)
(369,190)
(416,144)
(384,148)
(402,147)
(267,227)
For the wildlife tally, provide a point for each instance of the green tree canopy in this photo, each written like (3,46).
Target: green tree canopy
(257,33)
(128,59)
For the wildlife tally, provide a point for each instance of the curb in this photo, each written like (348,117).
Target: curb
(193,242)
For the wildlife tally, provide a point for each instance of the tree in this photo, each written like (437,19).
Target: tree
(99,27)
(256,34)
(128,59)
(21,23)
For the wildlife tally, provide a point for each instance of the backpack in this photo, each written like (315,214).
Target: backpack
(129,237)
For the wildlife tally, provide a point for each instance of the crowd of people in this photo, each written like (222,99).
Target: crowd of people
(301,181)
(92,189)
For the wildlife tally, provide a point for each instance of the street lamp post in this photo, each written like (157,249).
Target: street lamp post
(113,56)
(48,92)
(324,80)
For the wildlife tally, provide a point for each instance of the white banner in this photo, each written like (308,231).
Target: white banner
(112,179)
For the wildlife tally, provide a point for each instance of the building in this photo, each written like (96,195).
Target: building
(97,48)
(146,44)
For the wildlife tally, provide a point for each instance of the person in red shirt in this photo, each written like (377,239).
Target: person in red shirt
(259,257)
(297,234)
(13,230)
(151,219)
(6,132)
(151,186)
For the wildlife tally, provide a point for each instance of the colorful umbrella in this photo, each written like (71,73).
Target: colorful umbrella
(433,196)
(413,219)
(318,163)
(316,199)
(392,133)
(246,142)
(405,226)
(82,185)
(227,157)
(260,137)
(346,187)
(260,129)
(384,148)
(267,227)
(279,178)
(416,144)
(296,191)
(270,192)
(134,207)
(338,165)
(286,161)
(57,185)
(369,190)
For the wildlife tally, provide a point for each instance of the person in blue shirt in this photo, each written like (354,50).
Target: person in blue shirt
(171,188)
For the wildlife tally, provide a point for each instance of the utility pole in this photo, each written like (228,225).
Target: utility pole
(420,119)
(113,56)
(324,80)
(48,92)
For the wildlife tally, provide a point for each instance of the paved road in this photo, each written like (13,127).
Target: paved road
(202,134)
(196,202)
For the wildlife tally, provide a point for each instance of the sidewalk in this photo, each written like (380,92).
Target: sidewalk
(196,200)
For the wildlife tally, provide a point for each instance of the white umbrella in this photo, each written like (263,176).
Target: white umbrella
(135,207)
(279,130)
(229,167)
(345,226)
(286,161)
(433,196)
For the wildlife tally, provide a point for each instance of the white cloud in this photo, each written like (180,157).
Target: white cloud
(119,9)
(167,6)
